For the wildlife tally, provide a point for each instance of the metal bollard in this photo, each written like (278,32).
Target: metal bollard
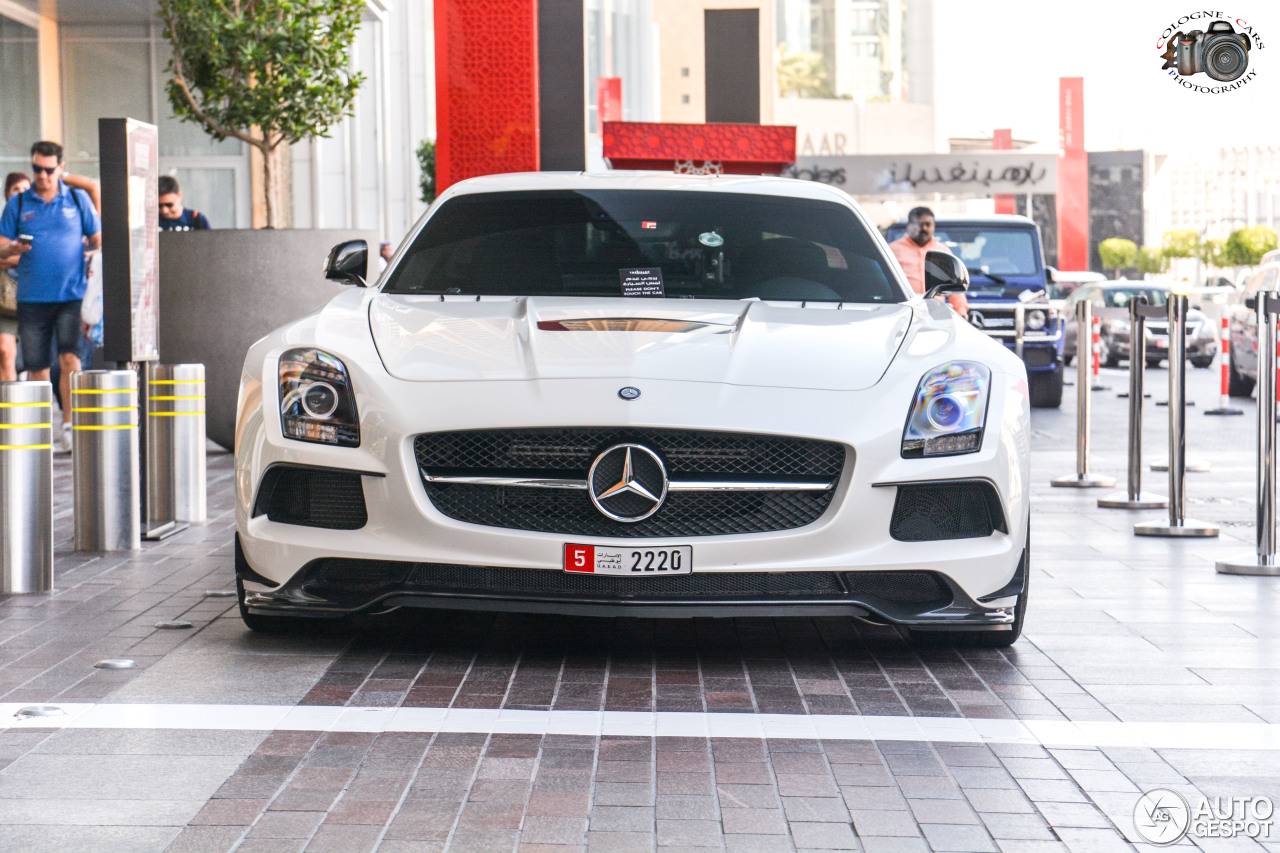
(1177,524)
(175,443)
(1224,353)
(26,481)
(1082,478)
(1264,561)
(104,421)
(1134,498)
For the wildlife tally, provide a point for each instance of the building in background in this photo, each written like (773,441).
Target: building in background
(64,65)
(1213,193)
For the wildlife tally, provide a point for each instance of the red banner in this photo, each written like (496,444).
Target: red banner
(737,149)
(1002,140)
(1073,177)
(608,101)
(486,88)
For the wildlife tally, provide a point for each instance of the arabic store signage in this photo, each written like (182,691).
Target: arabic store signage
(972,174)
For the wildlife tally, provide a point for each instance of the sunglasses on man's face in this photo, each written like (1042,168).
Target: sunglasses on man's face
(48,170)
(168,205)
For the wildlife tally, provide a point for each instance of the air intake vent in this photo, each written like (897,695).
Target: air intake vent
(946,509)
(312,497)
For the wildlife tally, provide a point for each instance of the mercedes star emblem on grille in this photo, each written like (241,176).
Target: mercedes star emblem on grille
(627,482)
(630,392)
(976,318)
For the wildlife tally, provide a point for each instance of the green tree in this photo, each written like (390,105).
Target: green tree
(1183,243)
(427,169)
(267,72)
(1151,260)
(1118,253)
(1212,253)
(802,73)
(1246,246)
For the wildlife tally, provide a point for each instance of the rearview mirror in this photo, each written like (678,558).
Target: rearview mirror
(944,273)
(348,262)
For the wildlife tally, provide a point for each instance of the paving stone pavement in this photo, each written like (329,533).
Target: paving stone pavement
(1123,630)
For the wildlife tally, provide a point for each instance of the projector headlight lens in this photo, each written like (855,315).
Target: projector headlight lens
(949,411)
(317,402)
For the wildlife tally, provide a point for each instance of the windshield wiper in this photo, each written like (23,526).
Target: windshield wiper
(997,279)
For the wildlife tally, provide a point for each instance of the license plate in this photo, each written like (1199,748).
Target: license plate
(598,560)
(997,323)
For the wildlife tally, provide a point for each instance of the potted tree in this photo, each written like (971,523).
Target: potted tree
(269,73)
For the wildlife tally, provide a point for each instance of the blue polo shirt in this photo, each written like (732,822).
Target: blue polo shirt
(53,271)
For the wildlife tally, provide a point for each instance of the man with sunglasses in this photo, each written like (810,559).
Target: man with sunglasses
(50,227)
(173,216)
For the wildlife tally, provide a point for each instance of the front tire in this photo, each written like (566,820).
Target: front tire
(256,622)
(1237,385)
(1201,362)
(1046,388)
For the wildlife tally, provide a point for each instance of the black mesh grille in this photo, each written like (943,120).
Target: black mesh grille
(313,498)
(905,587)
(958,509)
(335,575)
(568,453)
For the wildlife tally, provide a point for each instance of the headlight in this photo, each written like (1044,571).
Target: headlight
(1117,326)
(316,400)
(948,412)
(1035,320)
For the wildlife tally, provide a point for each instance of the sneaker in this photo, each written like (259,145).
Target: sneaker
(62,443)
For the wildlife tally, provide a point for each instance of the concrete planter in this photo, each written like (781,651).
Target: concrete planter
(222,290)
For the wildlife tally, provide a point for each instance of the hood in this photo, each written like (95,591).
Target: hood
(427,338)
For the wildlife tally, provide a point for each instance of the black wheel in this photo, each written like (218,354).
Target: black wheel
(1046,388)
(1067,359)
(1202,362)
(1154,362)
(987,639)
(1237,385)
(1106,355)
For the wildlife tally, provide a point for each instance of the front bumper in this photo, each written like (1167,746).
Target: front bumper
(918,599)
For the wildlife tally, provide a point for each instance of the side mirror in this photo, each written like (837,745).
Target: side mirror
(348,262)
(1053,274)
(944,273)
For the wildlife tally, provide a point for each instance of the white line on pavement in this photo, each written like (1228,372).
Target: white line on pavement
(1053,733)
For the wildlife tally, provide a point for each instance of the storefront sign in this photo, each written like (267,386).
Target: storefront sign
(976,174)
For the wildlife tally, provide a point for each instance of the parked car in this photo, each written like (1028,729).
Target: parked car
(1007,298)
(1063,283)
(1111,306)
(640,395)
(1242,321)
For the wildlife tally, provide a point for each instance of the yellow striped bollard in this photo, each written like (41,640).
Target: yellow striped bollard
(26,486)
(104,423)
(175,443)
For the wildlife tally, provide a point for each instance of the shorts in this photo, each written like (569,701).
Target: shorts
(8,326)
(41,323)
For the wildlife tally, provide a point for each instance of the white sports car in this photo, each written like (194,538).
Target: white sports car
(642,395)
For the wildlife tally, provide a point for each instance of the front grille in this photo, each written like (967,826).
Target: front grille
(947,509)
(312,497)
(342,576)
(336,578)
(687,454)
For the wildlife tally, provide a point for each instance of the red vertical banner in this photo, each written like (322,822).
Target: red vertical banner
(1002,140)
(1073,177)
(486,88)
(608,101)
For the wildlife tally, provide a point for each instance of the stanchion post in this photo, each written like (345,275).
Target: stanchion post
(1177,524)
(26,482)
(1263,562)
(1224,355)
(1133,498)
(104,423)
(1082,479)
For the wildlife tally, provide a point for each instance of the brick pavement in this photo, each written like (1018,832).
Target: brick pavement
(1122,630)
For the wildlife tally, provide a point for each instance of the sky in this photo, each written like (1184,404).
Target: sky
(997,64)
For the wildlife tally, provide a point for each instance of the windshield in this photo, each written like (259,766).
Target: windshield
(999,251)
(1121,298)
(643,243)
